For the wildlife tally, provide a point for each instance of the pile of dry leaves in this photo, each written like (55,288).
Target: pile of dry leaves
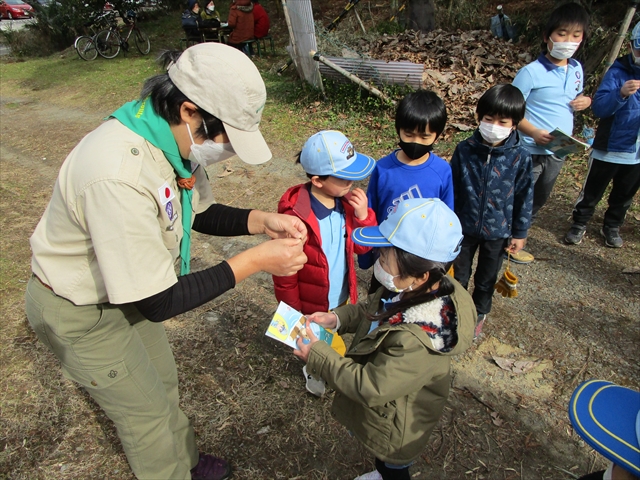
(459,66)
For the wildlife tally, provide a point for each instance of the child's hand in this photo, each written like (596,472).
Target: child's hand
(358,200)
(542,137)
(515,245)
(305,348)
(580,103)
(629,88)
(327,320)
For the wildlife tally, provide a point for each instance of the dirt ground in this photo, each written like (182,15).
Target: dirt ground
(577,316)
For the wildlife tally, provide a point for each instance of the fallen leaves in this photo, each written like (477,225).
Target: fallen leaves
(517,367)
(460,65)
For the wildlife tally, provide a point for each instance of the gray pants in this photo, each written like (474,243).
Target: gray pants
(125,363)
(546,169)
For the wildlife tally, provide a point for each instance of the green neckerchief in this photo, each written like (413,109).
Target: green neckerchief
(140,117)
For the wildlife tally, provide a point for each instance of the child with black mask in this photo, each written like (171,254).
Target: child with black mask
(413,170)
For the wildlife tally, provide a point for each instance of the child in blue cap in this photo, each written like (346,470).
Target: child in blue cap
(393,382)
(330,211)
(607,417)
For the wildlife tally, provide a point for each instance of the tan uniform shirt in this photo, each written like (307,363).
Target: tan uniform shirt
(112,230)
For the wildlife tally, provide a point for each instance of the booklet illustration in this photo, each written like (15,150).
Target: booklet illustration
(288,324)
(564,144)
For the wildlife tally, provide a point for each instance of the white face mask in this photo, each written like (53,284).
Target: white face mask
(210,10)
(386,279)
(209,152)
(563,50)
(493,133)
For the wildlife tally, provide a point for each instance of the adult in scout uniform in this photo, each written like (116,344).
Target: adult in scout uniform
(120,215)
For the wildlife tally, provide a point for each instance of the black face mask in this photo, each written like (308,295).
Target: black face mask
(415,150)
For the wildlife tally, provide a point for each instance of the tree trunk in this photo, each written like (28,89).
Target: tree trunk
(420,15)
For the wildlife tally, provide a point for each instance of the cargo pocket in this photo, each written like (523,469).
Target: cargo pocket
(378,422)
(97,378)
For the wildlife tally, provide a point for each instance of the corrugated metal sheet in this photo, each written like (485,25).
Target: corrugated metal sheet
(378,72)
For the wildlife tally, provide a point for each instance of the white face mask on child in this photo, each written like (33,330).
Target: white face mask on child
(386,279)
(563,50)
(209,152)
(493,133)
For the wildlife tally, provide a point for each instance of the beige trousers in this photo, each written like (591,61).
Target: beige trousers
(125,363)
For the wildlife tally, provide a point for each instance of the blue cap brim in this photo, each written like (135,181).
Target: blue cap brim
(636,43)
(605,415)
(370,237)
(359,169)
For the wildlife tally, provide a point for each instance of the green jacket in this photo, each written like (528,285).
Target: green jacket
(392,384)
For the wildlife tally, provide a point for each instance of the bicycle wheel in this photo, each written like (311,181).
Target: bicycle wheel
(108,43)
(142,42)
(86,48)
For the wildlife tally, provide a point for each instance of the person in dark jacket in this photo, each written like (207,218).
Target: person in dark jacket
(493,192)
(191,20)
(616,154)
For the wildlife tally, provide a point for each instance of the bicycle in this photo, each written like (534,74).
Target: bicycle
(109,41)
(86,45)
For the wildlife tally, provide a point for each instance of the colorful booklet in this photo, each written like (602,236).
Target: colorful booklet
(564,144)
(288,324)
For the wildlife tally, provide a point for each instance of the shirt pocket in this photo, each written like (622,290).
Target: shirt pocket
(170,223)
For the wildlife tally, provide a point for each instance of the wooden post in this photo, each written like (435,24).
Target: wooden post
(621,34)
(359,21)
(319,58)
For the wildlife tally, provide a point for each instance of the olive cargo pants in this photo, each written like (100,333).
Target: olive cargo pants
(125,363)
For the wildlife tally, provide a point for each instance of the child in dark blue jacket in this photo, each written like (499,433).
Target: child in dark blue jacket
(493,192)
(615,157)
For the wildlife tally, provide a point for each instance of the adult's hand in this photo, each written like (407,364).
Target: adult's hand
(281,257)
(277,225)
(629,88)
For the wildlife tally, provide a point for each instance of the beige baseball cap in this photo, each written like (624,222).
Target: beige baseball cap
(224,82)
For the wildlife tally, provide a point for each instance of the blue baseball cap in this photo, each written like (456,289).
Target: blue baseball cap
(607,417)
(331,153)
(425,227)
(635,36)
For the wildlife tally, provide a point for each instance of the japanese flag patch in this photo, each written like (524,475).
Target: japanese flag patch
(166,194)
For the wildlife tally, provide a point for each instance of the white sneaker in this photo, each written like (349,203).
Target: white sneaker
(375,475)
(317,387)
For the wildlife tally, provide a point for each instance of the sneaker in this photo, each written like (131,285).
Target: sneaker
(479,323)
(211,468)
(375,475)
(521,257)
(317,387)
(575,234)
(611,236)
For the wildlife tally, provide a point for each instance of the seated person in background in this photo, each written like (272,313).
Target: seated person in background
(241,20)
(210,18)
(191,20)
(261,22)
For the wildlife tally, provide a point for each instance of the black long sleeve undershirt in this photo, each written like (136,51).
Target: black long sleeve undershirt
(198,288)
